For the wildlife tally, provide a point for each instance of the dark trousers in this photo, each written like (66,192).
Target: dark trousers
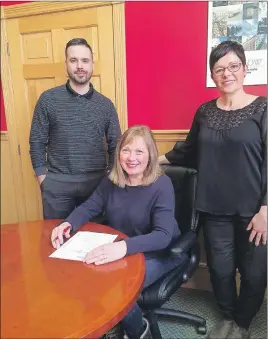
(228,248)
(60,196)
(155,269)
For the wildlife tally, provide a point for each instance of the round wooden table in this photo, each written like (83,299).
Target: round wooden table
(44,297)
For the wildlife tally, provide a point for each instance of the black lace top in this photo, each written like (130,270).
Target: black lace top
(229,149)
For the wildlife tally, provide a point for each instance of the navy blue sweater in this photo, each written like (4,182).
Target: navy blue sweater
(144,213)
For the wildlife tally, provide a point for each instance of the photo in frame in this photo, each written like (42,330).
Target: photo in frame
(246,23)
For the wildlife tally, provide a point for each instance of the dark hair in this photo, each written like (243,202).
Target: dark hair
(77,42)
(224,48)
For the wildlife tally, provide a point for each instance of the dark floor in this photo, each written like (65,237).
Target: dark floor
(202,303)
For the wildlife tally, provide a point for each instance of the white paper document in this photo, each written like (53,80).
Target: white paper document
(77,247)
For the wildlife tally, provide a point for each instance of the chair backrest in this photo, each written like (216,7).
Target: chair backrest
(184,182)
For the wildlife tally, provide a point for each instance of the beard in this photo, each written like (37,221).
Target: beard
(80,80)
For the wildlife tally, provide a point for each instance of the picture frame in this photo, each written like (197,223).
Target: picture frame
(246,23)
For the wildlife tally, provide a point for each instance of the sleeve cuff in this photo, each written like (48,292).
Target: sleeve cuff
(130,246)
(40,171)
(71,222)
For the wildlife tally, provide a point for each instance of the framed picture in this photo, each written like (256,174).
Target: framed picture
(246,23)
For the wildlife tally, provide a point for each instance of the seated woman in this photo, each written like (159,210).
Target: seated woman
(138,200)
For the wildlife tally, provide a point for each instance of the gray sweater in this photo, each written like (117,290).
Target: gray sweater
(69,131)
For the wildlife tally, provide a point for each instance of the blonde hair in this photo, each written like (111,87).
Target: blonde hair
(152,172)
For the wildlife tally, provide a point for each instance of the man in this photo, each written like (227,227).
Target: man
(72,124)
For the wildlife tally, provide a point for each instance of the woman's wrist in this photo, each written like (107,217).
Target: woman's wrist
(124,246)
(162,160)
(66,224)
(263,211)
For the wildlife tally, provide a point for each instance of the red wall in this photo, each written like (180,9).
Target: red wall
(166,45)
(11,2)
(166,63)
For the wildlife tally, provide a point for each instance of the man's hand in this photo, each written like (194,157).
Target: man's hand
(107,253)
(41,178)
(258,227)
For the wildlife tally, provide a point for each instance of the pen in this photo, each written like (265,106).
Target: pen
(64,231)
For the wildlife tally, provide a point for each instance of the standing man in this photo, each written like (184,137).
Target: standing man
(73,126)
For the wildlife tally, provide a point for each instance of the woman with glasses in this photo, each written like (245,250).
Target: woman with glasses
(227,143)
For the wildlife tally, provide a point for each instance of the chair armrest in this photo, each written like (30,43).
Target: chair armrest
(184,244)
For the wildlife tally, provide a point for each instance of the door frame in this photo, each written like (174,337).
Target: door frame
(29,9)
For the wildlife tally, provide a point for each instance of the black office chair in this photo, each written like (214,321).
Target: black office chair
(153,297)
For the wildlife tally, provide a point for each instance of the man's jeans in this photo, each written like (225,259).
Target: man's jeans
(155,269)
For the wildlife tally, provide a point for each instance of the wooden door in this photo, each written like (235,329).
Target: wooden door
(36,58)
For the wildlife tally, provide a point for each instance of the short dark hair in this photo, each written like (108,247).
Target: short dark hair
(77,42)
(224,48)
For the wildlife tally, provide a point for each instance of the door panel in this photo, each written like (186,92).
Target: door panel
(64,20)
(37,60)
(8,202)
(36,47)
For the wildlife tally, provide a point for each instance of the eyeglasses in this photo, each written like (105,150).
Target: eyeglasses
(231,68)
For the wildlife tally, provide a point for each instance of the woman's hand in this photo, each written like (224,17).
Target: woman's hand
(107,253)
(258,227)
(58,233)
(162,160)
